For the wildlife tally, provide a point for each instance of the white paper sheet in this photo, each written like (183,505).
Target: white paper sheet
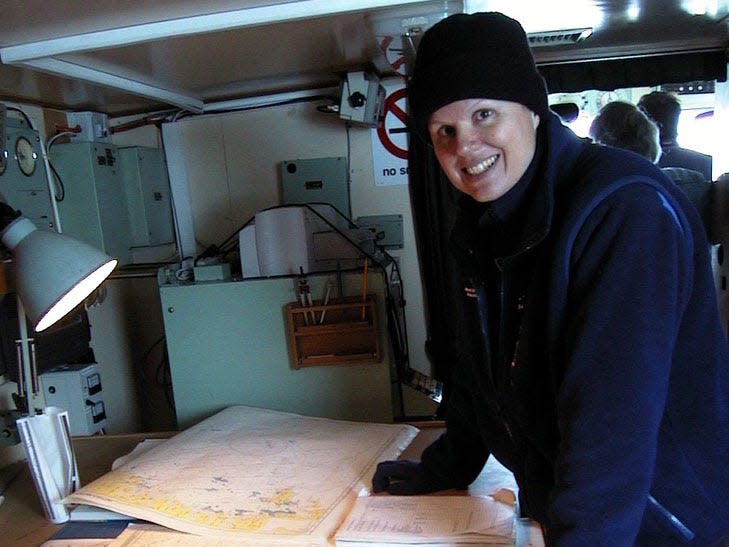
(427,520)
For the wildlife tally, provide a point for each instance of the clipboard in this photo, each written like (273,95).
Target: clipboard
(47,444)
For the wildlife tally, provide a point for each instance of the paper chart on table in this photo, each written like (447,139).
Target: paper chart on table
(247,472)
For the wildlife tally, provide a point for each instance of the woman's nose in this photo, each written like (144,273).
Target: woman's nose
(466,139)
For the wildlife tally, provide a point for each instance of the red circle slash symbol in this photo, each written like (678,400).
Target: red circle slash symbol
(394,55)
(391,107)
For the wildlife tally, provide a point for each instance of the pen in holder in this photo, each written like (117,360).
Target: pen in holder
(47,444)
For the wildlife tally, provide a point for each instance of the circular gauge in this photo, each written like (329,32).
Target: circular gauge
(25,155)
(607,97)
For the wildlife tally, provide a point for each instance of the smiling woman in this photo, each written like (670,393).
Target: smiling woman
(484,146)
(562,257)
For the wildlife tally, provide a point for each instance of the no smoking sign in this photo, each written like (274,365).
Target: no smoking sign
(390,138)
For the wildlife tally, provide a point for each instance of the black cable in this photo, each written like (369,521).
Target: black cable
(27,119)
(164,379)
(397,325)
(60,185)
(162,374)
(151,348)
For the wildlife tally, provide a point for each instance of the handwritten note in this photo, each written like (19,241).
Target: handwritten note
(432,520)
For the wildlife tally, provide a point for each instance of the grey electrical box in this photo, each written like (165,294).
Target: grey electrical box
(387,229)
(147,188)
(23,180)
(77,389)
(362,100)
(94,205)
(94,126)
(316,180)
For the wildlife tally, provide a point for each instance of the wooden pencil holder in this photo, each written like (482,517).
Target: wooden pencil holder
(342,332)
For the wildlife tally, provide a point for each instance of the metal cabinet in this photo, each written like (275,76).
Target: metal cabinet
(147,188)
(227,344)
(94,205)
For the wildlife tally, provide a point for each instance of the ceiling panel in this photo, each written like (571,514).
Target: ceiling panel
(204,63)
(33,20)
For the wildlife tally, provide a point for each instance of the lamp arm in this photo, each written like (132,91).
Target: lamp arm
(27,376)
(31,393)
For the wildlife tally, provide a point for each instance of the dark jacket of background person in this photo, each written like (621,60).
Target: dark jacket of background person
(665,109)
(702,193)
(674,156)
(624,125)
(611,406)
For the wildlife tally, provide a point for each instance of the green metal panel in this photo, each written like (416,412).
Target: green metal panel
(227,345)
(148,195)
(28,193)
(322,180)
(94,207)
(387,229)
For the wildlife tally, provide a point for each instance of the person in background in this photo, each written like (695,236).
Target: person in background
(665,109)
(622,125)
(589,357)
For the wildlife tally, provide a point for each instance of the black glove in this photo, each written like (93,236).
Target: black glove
(404,478)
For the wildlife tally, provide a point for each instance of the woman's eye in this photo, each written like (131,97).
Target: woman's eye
(446,131)
(483,114)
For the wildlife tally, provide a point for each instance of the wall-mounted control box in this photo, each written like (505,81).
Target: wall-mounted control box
(77,389)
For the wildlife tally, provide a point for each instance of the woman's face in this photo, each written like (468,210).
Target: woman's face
(484,145)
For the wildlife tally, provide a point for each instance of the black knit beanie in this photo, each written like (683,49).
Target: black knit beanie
(478,56)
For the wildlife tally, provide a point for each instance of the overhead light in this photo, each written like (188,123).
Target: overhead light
(538,17)
(633,11)
(53,272)
(700,7)
(558,37)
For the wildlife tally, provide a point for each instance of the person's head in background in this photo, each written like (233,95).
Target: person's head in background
(665,110)
(623,125)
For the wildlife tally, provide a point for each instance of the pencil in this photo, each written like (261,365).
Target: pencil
(326,301)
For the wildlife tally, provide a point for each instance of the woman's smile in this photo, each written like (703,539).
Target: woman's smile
(484,146)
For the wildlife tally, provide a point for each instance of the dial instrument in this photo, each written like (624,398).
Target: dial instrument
(25,155)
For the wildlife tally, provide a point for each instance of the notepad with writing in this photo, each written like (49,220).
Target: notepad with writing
(427,520)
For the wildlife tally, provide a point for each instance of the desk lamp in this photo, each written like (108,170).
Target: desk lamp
(53,274)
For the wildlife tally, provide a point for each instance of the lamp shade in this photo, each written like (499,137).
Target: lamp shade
(54,272)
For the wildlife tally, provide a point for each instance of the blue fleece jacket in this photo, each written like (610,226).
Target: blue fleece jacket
(602,380)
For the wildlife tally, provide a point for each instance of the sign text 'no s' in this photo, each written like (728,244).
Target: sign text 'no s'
(390,138)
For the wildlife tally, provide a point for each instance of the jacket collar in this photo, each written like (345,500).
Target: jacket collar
(560,148)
